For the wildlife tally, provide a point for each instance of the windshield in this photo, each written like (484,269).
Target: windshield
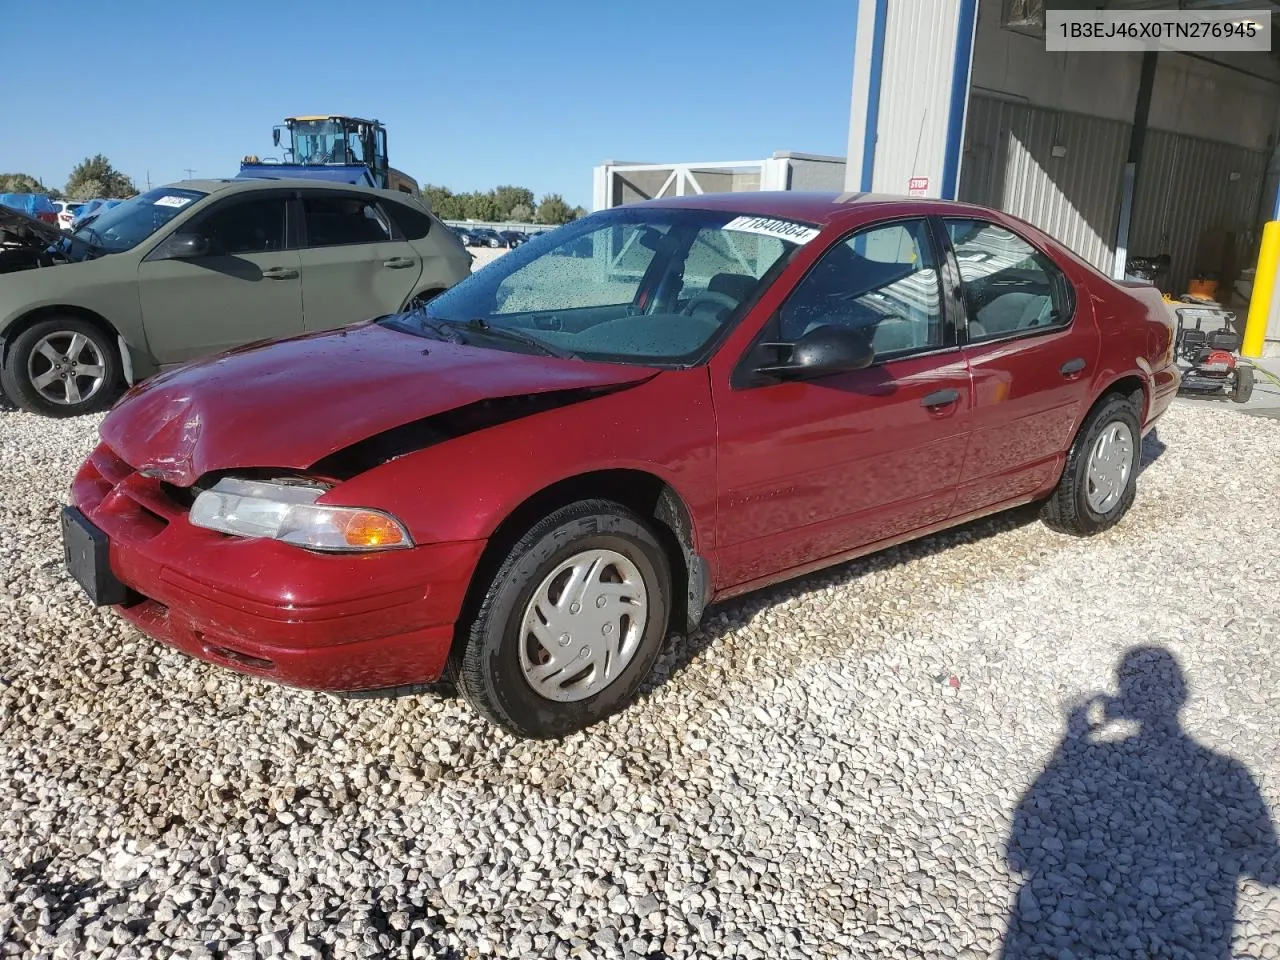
(640,285)
(127,224)
(321,141)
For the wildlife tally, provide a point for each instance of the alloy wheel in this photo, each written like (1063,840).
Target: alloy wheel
(66,367)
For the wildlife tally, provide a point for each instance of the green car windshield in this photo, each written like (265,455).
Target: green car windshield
(127,224)
(649,286)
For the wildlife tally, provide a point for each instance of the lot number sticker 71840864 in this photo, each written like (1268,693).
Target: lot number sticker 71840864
(171,201)
(797,233)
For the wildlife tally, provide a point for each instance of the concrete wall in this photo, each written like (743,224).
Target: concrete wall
(1215,103)
(1094,84)
(808,172)
(1191,96)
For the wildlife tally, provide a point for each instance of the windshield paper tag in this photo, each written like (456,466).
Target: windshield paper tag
(173,201)
(782,229)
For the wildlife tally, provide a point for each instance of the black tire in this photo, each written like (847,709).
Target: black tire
(1068,509)
(17,383)
(421,299)
(1243,388)
(487,665)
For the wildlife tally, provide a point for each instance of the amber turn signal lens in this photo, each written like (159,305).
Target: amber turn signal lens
(365,530)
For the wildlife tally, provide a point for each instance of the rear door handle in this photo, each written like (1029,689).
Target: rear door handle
(280,273)
(1072,367)
(398,263)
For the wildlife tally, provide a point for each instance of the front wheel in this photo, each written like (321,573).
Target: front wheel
(61,367)
(1099,481)
(570,623)
(420,300)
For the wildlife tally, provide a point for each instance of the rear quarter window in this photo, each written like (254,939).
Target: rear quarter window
(413,224)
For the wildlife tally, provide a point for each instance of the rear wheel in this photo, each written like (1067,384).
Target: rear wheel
(570,623)
(61,367)
(1099,480)
(1243,388)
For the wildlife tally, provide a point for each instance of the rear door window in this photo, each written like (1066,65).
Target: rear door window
(339,221)
(1010,287)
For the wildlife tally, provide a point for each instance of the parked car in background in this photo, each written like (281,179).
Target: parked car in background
(34,205)
(67,210)
(201,266)
(555,462)
(90,209)
(470,237)
(512,238)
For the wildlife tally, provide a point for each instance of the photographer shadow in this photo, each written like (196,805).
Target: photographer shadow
(1132,846)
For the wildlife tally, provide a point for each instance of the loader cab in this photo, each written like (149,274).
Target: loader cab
(337,141)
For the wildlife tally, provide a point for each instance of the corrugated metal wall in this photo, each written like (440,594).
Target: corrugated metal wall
(1185,189)
(1009,164)
(915,90)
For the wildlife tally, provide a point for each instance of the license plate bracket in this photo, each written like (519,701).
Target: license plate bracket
(86,552)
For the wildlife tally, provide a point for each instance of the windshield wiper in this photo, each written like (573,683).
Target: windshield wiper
(441,329)
(93,243)
(481,326)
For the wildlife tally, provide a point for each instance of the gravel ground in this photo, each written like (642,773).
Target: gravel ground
(880,761)
(485,255)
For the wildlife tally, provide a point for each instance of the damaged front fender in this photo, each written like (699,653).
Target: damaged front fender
(464,488)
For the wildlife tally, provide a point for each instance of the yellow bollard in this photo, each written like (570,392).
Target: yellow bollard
(1264,279)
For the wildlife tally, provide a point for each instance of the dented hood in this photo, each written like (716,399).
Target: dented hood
(294,402)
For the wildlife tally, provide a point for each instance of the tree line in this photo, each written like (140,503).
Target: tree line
(95,177)
(501,204)
(92,178)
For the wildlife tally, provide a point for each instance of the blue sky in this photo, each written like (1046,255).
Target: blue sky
(474,94)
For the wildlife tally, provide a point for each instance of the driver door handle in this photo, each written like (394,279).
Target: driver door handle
(398,263)
(941,398)
(280,273)
(1071,369)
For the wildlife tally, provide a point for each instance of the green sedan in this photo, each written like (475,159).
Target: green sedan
(201,266)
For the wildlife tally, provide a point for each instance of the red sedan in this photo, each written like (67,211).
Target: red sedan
(535,477)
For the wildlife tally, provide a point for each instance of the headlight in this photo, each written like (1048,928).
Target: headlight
(289,512)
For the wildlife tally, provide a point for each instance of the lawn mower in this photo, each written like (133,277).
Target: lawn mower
(1206,347)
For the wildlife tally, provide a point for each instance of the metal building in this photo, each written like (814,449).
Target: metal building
(1116,154)
(616,183)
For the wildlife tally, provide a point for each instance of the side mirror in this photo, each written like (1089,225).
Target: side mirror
(275,136)
(821,351)
(186,246)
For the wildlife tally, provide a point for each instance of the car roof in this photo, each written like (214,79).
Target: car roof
(817,207)
(248,184)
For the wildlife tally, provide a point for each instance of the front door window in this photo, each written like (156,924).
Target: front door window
(883,280)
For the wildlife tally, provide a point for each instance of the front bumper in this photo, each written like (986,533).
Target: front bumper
(320,621)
